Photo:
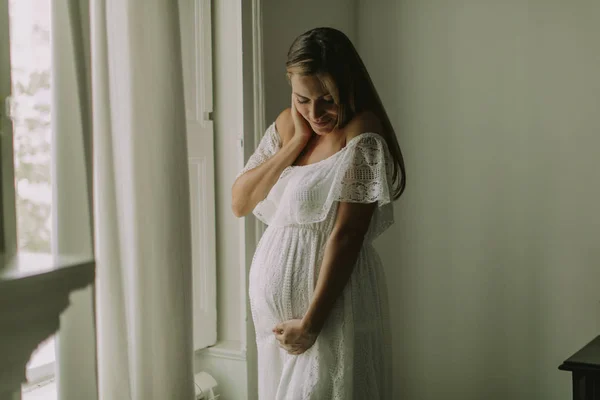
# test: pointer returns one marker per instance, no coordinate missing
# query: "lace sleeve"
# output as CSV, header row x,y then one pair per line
x,y
268,146
359,173
367,172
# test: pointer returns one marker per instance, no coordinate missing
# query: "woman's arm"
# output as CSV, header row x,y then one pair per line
x,y
344,243
341,254
252,187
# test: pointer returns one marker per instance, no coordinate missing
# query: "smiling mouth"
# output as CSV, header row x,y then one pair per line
x,y
324,123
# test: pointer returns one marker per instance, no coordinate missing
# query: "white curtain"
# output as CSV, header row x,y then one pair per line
x,y
131,118
71,203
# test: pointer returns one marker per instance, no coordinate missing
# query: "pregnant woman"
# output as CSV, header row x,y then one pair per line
x,y
323,179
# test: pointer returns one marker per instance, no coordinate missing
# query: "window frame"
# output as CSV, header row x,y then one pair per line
x,y
8,220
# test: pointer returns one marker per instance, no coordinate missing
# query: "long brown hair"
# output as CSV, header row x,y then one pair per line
x,y
329,55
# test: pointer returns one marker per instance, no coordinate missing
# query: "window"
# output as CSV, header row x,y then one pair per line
x,y
195,17
29,42
29,22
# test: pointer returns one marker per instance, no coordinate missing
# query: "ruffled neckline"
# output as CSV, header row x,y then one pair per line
x,y
334,155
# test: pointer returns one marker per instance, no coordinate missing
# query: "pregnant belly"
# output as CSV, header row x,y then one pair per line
x,y
282,275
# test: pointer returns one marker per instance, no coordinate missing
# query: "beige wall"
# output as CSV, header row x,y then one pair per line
x,y
493,261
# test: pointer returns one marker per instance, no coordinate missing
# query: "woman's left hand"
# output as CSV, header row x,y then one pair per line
x,y
294,337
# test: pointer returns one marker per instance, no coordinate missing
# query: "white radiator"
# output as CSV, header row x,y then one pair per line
x,y
205,386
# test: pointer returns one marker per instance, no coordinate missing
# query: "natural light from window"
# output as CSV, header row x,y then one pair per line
x,y
30,70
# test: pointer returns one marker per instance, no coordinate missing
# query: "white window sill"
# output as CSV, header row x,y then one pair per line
x,y
228,349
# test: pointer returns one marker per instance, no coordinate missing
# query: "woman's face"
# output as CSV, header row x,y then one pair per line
x,y
314,103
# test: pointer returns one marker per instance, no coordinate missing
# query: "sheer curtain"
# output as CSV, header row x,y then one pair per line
x,y
121,95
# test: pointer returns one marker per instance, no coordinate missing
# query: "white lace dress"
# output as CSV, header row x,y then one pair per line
x,y
350,359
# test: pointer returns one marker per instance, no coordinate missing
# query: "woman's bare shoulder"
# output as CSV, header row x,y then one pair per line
x,y
284,124
366,121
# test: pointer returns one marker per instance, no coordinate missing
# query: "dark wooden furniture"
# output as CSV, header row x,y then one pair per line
x,y
585,368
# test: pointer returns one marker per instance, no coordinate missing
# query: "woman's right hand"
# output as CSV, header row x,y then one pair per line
x,y
302,130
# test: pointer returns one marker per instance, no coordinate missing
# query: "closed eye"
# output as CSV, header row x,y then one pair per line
x,y
304,100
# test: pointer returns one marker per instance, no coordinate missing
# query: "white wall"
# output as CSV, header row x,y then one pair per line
x,y
283,21
493,261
